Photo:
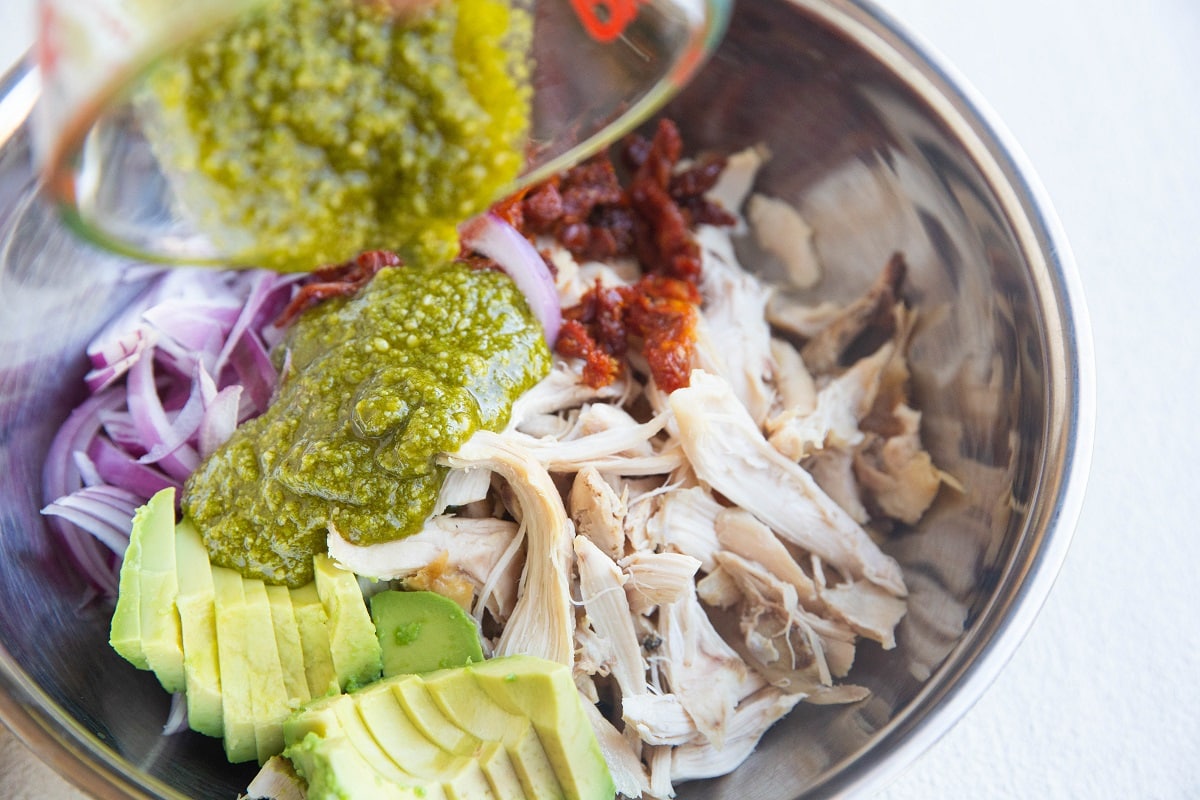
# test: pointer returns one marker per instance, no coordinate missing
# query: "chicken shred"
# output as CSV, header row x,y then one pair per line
x,y
699,557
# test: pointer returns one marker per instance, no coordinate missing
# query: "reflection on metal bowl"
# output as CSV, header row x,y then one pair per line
x,y
881,151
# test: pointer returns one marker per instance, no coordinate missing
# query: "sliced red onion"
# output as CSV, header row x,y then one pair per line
x,y
177,720
504,244
103,511
116,467
171,378
251,363
146,410
113,357
60,475
183,425
220,420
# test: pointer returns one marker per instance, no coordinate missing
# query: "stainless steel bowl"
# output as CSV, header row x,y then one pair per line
x,y
883,150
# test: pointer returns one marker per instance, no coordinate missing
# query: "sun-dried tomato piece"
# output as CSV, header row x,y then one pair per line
x,y
542,209
664,312
664,241
587,186
512,209
688,189
660,311
601,311
599,368
342,280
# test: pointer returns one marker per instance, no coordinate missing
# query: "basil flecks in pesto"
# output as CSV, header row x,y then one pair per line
x,y
312,130
374,387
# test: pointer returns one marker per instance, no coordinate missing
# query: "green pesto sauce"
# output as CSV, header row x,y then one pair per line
x,y
375,387
315,129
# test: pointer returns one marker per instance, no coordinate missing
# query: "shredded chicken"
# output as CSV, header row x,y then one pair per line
x,y
699,556
730,454
543,621
598,512
479,549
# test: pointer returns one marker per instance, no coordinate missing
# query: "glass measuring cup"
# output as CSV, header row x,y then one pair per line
x,y
597,69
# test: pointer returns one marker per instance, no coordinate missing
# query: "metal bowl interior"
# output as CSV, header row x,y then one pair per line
x,y
882,152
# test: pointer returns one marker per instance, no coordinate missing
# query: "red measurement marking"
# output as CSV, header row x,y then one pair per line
x,y
605,20
49,39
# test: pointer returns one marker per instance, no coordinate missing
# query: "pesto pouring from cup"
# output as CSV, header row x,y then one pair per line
x,y
292,134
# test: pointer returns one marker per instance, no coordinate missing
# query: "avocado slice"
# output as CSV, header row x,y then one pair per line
x,y
233,633
313,625
465,703
423,631
500,772
544,693
335,720
125,634
197,620
414,698
352,639
371,730
356,729
158,586
287,642
383,716
335,770
268,695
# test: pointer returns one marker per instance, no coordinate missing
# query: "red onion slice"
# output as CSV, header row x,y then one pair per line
x,y
504,244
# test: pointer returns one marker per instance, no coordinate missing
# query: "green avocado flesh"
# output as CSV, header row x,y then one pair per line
x,y
312,130
375,387
352,638
197,618
512,727
422,632
145,626
250,654
523,734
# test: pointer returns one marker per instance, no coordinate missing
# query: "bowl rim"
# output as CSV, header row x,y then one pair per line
x,y
1070,417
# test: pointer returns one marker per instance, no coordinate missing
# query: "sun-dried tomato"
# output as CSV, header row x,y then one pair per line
x,y
512,209
664,241
543,207
599,368
688,189
664,312
588,186
659,310
584,209
342,280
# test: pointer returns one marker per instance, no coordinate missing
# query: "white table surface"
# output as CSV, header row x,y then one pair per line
x,y
1103,698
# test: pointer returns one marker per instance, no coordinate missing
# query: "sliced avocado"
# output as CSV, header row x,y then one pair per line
x,y
465,703
125,635
545,693
335,719
414,698
371,748
508,760
352,640
287,641
422,632
501,774
268,694
335,770
158,587
383,716
313,624
197,620
233,632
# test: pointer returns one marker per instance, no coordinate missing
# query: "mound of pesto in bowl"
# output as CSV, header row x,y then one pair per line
x,y
373,388
312,130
